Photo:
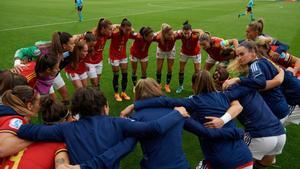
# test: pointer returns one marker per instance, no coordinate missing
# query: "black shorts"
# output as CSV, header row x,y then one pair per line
x,y
79,8
249,9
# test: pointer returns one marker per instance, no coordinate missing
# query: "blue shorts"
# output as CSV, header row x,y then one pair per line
x,y
79,8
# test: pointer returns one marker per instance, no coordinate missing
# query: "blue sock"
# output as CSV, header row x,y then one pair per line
x,y
80,16
242,14
252,17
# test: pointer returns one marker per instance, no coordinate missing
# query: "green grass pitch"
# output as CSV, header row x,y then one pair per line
x,y
22,22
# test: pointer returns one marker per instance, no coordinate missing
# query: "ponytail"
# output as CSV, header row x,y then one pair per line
x,y
18,97
58,40
187,26
56,44
102,24
77,53
257,26
145,31
125,22
89,37
261,26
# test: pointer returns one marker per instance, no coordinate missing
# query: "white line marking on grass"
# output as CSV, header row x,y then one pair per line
x,y
91,19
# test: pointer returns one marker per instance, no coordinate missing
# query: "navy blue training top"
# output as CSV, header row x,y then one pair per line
x,y
260,71
91,136
291,88
257,118
166,150
220,153
157,150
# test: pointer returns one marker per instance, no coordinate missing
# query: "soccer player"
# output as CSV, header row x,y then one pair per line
x,y
285,59
260,71
265,134
46,154
139,52
207,102
254,32
18,105
28,54
77,71
94,61
190,49
249,10
79,6
41,74
118,57
214,47
93,110
166,39
157,150
9,80
61,45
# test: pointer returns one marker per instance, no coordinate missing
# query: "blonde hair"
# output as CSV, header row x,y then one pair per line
x,y
263,45
257,26
235,68
147,88
263,40
18,97
165,28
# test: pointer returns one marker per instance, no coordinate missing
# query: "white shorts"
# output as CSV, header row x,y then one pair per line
x,y
294,117
75,76
210,60
117,62
169,55
204,165
262,146
195,58
284,119
58,82
94,69
136,59
51,90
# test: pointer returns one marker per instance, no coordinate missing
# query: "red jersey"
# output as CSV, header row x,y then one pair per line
x,y
191,46
10,124
282,61
140,47
215,49
36,156
168,45
117,49
97,55
285,61
29,73
81,68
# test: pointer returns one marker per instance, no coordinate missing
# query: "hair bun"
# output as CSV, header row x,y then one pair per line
x,y
186,22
